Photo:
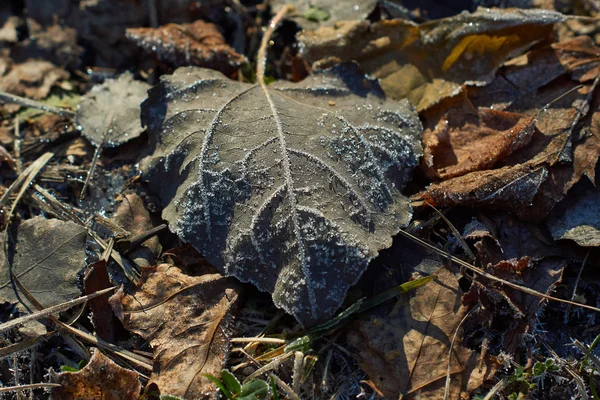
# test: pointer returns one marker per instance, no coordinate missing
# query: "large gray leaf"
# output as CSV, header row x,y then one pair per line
x,y
109,114
293,188
48,256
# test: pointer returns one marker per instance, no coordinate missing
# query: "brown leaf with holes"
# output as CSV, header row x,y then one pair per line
x,y
101,378
186,319
500,301
431,61
405,351
464,141
199,43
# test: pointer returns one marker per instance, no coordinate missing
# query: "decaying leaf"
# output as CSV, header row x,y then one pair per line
x,y
464,142
48,256
506,188
109,114
33,79
578,219
186,320
293,188
101,378
562,148
514,311
199,43
431,61
405,351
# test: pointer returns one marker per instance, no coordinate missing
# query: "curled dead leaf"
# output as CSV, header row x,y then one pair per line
x,y
101,378
463,142
199,43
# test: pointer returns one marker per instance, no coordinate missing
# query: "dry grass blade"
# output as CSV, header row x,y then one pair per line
x,y
51,204
131,271
258,340
593,358
125,354
22,101
51,310
455,232
484,274
28,387
449,373
284,386
24,179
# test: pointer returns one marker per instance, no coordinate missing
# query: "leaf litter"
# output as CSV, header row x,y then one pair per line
x,y
508,104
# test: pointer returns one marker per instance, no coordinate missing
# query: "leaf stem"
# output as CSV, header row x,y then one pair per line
x,y
262,51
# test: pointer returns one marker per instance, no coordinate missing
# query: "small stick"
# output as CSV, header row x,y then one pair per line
x,y
28,387
22,101
18,162
97,156
52,310
258,340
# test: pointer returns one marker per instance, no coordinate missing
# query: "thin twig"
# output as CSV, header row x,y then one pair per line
x,y
490,276
25,176
18,161
52,310
127,355
258,340
22,101
31,386
449,371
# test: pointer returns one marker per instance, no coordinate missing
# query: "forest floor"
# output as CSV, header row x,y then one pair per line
x,y
304,199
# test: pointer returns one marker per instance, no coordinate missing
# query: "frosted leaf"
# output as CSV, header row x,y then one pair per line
x,y
293,189
109,114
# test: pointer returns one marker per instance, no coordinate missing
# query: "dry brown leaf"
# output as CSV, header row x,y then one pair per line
x,y
100,379
431,61
463,142
405,352
506,188
33,79
186,320
199,43
538,175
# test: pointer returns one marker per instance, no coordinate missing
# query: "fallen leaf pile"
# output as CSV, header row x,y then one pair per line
x,y
322,199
